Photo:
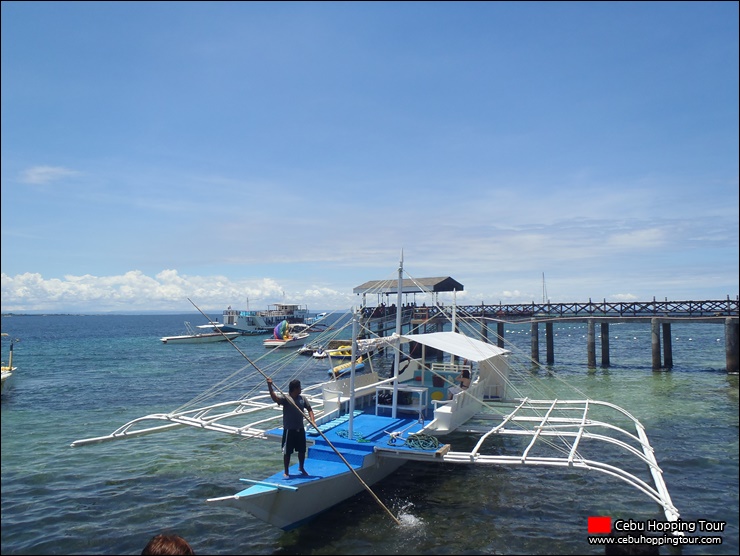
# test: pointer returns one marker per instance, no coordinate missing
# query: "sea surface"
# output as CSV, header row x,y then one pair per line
x,y
84,376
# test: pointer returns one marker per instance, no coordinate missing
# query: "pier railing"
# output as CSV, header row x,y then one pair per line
x,y
710,308
660,314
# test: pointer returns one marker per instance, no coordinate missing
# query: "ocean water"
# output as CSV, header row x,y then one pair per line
x,y
83,376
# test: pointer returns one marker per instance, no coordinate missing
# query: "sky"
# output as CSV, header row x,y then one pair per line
x,y
249,153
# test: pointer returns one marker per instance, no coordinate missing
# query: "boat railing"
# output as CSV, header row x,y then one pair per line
x,y
338,392
451,367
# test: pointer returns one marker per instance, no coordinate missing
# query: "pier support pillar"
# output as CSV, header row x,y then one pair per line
x,y
500,334
732,345
605,344
591,343
667,346
484,330
655,342
535,342
549,343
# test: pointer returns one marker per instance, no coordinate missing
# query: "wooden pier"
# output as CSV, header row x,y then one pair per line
x,y
659,314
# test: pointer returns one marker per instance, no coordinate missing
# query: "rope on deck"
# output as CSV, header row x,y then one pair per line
x,y
417,441
344,433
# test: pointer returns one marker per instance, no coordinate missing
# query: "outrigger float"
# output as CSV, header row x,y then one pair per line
x,y
367,426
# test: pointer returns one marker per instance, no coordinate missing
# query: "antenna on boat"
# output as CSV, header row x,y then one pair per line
x,y
454,319
353,364
397,357
349,466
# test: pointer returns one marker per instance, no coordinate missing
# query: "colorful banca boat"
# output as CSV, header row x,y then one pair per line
x,y
287,335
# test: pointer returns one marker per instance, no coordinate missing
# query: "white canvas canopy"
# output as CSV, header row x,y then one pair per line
x,y
457,344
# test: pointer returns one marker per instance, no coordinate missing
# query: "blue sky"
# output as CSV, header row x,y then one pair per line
x,y
266,152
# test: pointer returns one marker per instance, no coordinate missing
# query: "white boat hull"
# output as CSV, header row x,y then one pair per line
x,y
296,341
200,338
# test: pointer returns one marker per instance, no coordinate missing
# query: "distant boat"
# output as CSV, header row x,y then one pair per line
x,y
343,352
346,368
309,349
263,322
334,349
7,370
317,323
287,335
317,318
193,337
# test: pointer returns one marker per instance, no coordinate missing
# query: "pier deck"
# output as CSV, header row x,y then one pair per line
x,y
659,314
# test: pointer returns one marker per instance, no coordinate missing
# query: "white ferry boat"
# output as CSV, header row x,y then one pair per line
x,y
263,322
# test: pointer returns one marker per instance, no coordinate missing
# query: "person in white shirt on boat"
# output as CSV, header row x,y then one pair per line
x,y
294,433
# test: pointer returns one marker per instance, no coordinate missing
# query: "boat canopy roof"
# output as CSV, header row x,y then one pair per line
x,y
457,344
420,285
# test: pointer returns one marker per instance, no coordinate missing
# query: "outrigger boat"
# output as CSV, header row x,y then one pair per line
x,y
369,425
7,370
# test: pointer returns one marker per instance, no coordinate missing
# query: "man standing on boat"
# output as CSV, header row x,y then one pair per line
x,y
294,433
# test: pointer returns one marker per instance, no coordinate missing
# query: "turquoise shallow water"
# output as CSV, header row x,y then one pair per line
x,y
82,376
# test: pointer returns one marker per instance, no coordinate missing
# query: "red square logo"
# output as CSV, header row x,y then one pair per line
x,y
599,525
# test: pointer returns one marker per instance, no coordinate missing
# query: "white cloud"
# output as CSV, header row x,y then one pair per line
x,y
625,297
166,291
169,291
638,239
40,175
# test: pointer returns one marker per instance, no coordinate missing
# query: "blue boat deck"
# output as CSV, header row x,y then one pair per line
x,y
369,431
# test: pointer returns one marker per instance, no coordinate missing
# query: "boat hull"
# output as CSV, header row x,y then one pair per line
x,y
329,484
296,341
200,338
6,374
290,502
